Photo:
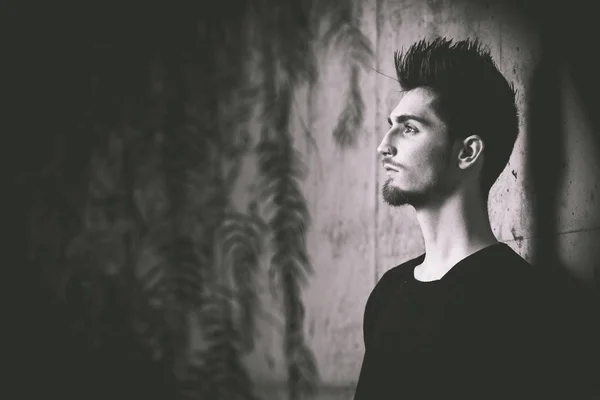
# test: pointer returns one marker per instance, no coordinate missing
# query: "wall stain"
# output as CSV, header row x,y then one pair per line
x,y
270,362
338,237
516,237
436,6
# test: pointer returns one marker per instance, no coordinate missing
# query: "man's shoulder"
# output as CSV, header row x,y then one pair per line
x,y
507,277
504,261
385,287
401,271
392,278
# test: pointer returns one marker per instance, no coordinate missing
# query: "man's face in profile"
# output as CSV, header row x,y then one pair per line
x,y
416,151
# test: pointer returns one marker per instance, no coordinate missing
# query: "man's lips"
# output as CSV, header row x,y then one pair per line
x,y
389,168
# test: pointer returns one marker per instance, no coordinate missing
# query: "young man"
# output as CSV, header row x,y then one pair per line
x,y
469,317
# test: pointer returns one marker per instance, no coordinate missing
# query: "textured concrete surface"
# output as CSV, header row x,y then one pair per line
x,y
354,237
579,200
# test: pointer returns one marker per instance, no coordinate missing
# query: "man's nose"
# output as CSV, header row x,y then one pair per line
x,y
386,149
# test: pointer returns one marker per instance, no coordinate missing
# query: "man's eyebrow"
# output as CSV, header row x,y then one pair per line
x,y
405,117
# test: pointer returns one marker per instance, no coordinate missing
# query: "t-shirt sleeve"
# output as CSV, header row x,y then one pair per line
x,y
373,308
375,303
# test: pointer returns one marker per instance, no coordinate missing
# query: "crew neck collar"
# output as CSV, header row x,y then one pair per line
x,y
455,270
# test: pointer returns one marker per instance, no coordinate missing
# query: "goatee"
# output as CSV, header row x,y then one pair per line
x,y
393,195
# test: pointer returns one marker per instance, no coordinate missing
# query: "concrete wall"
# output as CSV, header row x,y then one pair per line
x,y
578,214
354,237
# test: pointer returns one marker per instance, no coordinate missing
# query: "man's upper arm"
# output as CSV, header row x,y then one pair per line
x,y
374,305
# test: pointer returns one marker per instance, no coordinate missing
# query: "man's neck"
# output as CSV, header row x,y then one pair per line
x,y
452,231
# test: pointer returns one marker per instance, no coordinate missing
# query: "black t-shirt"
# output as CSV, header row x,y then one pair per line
x,y
483,331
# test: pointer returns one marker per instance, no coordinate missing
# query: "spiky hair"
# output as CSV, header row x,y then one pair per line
x,y
475,98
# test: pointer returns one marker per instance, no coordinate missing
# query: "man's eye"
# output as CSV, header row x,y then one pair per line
x,y
409,129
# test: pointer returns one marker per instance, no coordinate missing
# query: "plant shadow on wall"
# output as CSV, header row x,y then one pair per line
x,y
133,236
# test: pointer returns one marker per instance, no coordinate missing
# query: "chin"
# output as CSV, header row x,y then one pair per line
x,y
393,195
396,196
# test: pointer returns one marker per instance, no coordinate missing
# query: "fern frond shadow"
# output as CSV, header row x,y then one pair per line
x,y
241,240
281,168
351,119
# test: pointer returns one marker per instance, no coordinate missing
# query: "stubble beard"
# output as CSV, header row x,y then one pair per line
x,y
397,197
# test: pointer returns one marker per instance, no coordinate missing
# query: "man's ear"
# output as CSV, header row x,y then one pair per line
x,y
471,149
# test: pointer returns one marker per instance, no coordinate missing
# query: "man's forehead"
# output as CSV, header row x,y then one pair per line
x,y
416,101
